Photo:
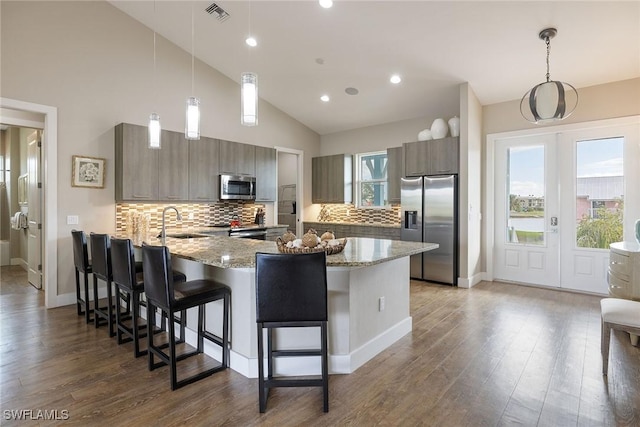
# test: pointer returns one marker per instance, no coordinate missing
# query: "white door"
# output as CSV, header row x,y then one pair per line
x,y
602,186
34,198
560,200
526,211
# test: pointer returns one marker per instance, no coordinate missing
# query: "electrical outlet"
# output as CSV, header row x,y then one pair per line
x,y
72,219
191,215
381,304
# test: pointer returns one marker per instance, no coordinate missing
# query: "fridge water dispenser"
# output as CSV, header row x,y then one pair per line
x,y
411,220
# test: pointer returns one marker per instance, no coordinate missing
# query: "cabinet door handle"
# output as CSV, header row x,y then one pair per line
x,y
139,196
617,263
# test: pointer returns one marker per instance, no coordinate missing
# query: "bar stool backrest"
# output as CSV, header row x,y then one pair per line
x,y
291,287
123,263
158,275
80,252
101,255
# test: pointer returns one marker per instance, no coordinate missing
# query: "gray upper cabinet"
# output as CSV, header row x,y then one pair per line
x,y
395,172
332,179
433,157
266,180
136,165
237,158
173,167
203,170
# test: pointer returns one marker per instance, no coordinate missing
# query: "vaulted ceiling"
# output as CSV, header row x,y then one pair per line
x,y
305,51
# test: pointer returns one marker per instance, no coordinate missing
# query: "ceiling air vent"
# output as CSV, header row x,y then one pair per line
x,y
215,10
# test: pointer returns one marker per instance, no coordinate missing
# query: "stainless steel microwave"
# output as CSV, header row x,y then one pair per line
x,y
237,187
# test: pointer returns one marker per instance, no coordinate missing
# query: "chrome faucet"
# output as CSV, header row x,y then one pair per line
x,y
163,232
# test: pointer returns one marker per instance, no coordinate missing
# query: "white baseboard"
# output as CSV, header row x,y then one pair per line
x,y
470,281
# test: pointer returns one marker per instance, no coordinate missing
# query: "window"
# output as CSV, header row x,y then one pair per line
x,y
599,192
526,189
371,180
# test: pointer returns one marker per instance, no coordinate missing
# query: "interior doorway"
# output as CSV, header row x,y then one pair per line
x,y
289,208
37,116
22,200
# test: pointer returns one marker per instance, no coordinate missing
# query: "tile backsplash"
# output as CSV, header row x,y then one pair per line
x,y
348,213
193,214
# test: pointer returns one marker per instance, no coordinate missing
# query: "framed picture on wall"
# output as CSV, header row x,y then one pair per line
x,y
87,172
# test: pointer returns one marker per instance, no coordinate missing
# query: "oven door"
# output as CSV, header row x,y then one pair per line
x,y
237,187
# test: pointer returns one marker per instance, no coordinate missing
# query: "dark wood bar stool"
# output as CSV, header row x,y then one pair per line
x,y
162,292
82,265
291,291
102,269
128,279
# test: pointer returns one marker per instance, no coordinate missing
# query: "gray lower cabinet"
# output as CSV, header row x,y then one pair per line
x,y
237,158
204,175
433,157
395,172
136,165
266,180
354,230
173,167
332,179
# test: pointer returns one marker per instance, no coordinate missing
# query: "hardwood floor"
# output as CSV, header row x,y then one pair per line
x,y
496,354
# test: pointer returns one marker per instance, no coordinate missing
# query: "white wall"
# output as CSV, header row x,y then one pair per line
x,y
378,137
470,187
94,63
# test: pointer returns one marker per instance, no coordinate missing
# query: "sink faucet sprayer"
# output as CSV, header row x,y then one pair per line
x,y
163,232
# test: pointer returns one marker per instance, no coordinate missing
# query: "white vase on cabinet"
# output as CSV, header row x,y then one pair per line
x,y
439,129
454,126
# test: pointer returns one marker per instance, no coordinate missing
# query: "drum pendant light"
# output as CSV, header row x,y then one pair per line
x,y
551,100
154,118
192,120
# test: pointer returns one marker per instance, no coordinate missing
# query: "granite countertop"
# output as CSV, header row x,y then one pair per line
x,y
357,224
227,252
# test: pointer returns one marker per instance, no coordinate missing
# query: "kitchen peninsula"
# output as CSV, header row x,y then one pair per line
x,y
368,298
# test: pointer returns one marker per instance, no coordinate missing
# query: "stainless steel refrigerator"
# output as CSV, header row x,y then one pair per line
x,y
430,214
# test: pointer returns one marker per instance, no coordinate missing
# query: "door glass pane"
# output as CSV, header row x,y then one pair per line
x,y
599,192
525,187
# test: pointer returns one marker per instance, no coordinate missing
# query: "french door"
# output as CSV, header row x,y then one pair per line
x,y
560,199
526,211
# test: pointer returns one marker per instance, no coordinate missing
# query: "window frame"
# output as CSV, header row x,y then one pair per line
x,y
359,181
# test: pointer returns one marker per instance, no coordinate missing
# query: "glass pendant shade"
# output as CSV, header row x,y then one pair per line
x,y
192,126
548,102
249,99
154,131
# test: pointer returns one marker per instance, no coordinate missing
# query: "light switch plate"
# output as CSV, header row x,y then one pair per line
x,y
72,219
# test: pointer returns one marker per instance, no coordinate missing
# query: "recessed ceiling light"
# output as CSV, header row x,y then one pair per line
x,y
324,98
251,41
395,79
351,91
326,3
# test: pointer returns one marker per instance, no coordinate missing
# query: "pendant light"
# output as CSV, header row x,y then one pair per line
x,y
249,98
154,118
551,100
249,90
192,120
